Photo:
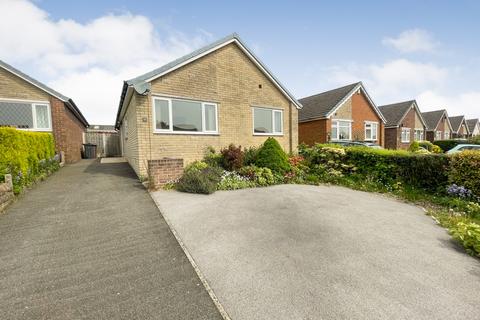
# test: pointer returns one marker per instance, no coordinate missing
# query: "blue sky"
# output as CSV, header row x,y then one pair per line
x,y
424,50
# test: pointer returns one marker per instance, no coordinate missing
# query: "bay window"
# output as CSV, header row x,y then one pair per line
x,y
184,116
341,130
405,135
26,115
267,121
371,131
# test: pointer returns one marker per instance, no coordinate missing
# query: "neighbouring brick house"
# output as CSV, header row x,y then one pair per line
x,y
438,125
27,104
347,113
405,124
215,96
459,127
473,127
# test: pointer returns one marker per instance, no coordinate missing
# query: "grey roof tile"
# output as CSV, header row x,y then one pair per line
x,y
471,123
432,118
395,112
456,122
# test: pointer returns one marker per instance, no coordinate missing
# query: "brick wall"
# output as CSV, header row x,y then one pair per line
x,y
162,171
6,192
230,79
67,131
357,108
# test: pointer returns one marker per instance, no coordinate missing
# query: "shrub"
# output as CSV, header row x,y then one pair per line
x,y
436,149
232,157
196,166
199,181
465,170
233,181
446,145
212,158
468,234
22,154
414,146
261,176
271,155
250,156
430,146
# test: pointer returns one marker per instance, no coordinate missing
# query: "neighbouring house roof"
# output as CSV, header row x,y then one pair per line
x,y
141,84
396,112
457,122
69,102
323,105
471,123
433,118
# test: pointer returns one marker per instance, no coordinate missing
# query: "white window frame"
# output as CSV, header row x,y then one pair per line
x,y
372,125
422,134
337,121
446,135
439,134
170,117
407,135
274,131
34,113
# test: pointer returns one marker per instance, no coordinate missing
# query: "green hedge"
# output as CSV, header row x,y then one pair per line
x,y
446,145
22,152
465,170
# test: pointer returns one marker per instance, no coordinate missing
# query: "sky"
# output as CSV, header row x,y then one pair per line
x,y
403,50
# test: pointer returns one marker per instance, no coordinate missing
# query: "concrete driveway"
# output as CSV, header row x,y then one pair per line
x,y
307,252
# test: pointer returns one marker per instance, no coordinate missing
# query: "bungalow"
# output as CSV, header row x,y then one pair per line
x,y
405,124
215,96
473,127
28,104
346,113
438,125
460,127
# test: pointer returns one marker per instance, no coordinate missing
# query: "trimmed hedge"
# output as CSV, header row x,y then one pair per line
x,y
22,154
271,155
465,170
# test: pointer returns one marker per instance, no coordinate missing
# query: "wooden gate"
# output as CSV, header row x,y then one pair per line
x,y
106,138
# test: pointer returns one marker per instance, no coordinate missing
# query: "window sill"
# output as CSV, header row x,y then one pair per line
x,y
187,133
35,130
269,134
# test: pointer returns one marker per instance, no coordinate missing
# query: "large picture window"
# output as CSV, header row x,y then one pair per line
x,y
341,130
184,116
267,121
25,115
371,131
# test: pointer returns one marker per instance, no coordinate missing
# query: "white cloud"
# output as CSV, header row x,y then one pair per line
x,y
461,104
414,40
88,61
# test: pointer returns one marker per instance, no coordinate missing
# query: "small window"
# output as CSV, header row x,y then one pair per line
x,y
25,115
341,130
267,121
419,135
405,135
438,135
446,135
371,131
184,116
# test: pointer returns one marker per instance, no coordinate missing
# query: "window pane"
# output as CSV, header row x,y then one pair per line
x,y
162,117
344,130
334,130
210,118
262,120
187,115
278,121
16,114
41,111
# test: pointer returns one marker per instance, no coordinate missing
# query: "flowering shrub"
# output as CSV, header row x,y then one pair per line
x,y
199,181
261,176
459,191
232,181
465,170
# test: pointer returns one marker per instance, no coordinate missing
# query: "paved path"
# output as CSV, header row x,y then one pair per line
x,y
89,243
305,252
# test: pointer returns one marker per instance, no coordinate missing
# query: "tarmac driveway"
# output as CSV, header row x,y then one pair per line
x,y
307,252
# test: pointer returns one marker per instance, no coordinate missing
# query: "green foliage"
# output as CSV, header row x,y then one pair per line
x,y
271,155
468,234
200,181
465,170
260,176
250,156
414,146
21,155
212,158
430,147
233,181
232,157
196,166
446,145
